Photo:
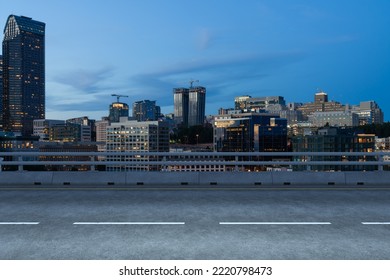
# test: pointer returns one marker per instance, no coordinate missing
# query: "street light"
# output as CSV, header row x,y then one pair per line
x,y
197,139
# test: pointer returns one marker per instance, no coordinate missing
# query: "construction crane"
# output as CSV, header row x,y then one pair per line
x,y
192,82
119,96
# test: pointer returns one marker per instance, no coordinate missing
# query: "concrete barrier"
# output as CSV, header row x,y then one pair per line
x,y
26,178
88,178
368,178
162,178
308,178
235,178
204,179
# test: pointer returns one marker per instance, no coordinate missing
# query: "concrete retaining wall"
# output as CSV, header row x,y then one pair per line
x,y
96,178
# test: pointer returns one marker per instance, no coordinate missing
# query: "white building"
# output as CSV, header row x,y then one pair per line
x,y
334,118
133,136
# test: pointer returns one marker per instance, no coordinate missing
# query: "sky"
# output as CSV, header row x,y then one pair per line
x,y
145,48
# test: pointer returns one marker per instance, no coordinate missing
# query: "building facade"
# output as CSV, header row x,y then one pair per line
x,y
67,147
133,136
332,139
334,118
320,104
146,110
1,92
23,74
41,128
101,133
240,102
196,106
180,105
118,110
267,103
369,113
250,132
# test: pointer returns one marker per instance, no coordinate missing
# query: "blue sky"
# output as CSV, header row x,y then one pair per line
x,y
144,48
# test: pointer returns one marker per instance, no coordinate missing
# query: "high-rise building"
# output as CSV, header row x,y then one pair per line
x,y
180,104
23,74
118,110
196,106
146,110
1,92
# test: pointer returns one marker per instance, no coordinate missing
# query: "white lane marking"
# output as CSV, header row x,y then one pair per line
x,y
376,223
275,223
19,223
129,223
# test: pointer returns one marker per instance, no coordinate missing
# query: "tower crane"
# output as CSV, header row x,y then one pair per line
x,y
119,96
192,82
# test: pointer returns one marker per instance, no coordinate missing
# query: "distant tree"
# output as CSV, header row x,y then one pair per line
x,y
380,130
198,134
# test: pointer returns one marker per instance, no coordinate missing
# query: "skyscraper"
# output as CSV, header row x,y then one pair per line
x,y
118,110
196,106
180,104
1,92
23,74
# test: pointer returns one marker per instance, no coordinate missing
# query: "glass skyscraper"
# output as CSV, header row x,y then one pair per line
x,y
180,104
196,106
1,92
23,74
189,105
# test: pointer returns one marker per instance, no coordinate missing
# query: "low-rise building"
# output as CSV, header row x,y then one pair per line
x,y
132,136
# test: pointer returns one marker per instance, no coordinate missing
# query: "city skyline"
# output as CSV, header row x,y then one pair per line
x,y
260,49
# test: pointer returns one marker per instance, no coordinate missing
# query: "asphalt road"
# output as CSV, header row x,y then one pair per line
x,y
195,224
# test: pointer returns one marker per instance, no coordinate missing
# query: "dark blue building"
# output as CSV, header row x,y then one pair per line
x,y
1,92
23,74
250,132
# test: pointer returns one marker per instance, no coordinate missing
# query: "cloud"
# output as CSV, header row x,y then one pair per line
x,y
88,81
88,92
204,39
83,91
221,75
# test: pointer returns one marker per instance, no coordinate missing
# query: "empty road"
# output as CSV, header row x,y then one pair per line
x,y
195,224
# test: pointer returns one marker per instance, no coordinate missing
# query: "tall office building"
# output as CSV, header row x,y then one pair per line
x,y
196,106
180,104
1,92
118,110
23,74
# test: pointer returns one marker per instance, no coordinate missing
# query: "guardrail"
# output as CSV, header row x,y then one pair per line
x,y
230,161
161,169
